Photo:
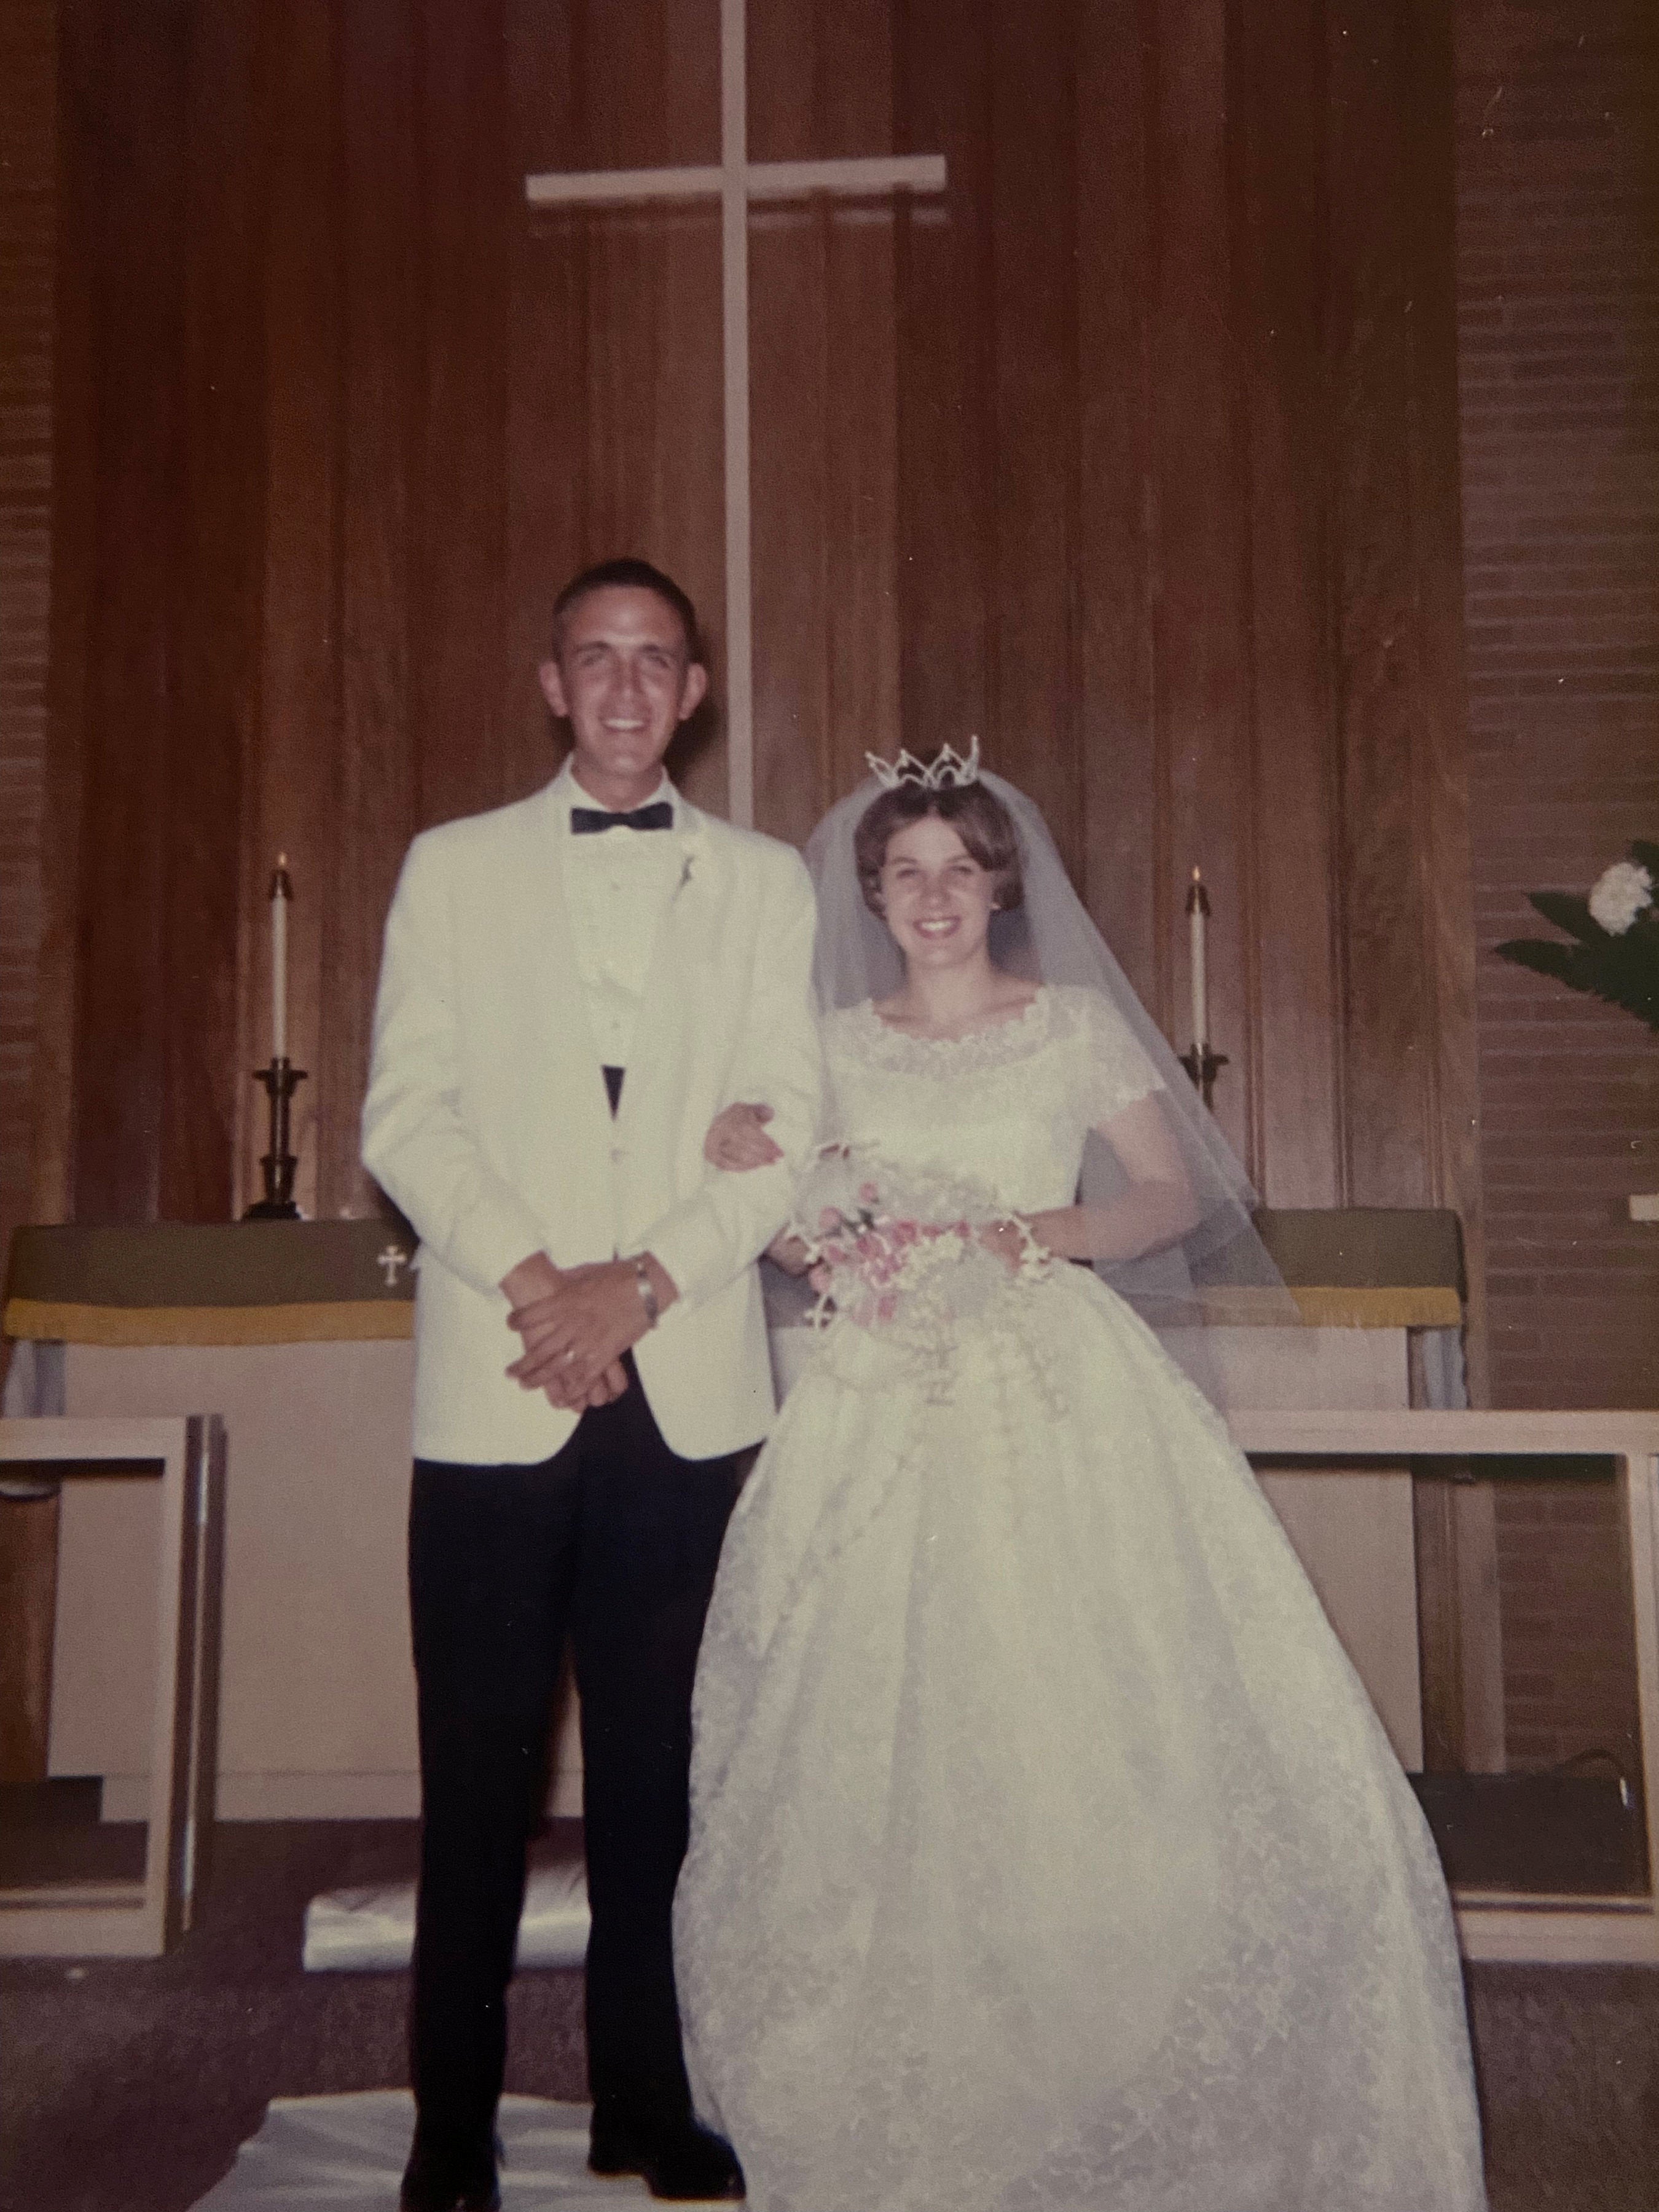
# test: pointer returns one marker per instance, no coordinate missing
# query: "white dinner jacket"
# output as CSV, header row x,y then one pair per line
x,y
487,1121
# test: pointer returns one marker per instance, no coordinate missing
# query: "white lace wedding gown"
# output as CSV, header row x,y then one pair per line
x,y
1046,1851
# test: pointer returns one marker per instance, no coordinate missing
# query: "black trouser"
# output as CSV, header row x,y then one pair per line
x,y
615,1540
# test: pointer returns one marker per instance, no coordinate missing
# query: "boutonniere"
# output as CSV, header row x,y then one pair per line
x,y
691,855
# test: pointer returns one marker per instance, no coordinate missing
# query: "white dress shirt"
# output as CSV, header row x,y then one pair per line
x,y
617,886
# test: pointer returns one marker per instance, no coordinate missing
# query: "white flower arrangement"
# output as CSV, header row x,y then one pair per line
x,y
1621,893
1613,952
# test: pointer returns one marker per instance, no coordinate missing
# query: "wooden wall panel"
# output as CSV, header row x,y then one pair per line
x,y
1124,454
1430,239
74,470
860,442
654,457
824,369
469,197
211,726
290,793
1388,1076
1032,711
548,338
1128,881
1203,665
129,76
946,515
374,785
1279,248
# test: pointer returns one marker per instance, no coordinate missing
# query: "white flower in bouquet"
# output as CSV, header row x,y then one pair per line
x,y
1620,893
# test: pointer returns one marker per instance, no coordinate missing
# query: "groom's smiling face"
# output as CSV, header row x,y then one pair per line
x,y
625,679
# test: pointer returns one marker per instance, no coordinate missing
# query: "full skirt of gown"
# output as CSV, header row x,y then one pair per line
x,y
1046,1851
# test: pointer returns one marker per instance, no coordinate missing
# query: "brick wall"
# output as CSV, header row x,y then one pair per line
x,y
1558,212
27,197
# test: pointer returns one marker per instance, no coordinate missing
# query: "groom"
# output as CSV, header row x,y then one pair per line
x,y
571,988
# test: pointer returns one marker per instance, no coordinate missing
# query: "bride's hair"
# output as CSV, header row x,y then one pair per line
x,y
978,816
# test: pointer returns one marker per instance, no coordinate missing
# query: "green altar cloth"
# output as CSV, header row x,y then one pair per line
x,y
242,1282
287,1282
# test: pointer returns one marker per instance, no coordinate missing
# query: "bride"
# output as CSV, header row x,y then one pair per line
x,y
1046,1852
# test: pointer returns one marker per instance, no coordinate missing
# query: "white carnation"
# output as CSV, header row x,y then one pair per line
x,y
1620,896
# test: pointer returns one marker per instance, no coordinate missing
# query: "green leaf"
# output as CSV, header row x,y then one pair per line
x,y
1619,972
1568,911
1542,955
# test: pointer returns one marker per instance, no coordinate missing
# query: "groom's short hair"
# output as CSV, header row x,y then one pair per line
x,y
978,816
631,574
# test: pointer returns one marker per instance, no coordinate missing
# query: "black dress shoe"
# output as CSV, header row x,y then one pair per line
x,y
683,2162
435,2182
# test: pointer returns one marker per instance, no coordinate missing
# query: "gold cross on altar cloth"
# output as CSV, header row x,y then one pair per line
x,y
735,184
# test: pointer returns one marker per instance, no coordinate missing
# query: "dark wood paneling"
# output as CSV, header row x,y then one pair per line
x,y
211,724
1429,241
1127,879
73,602
1387,984
791,380
823,366
946,527
469,197
1128,454
655,459
860,445
28,1605
1278,69
290,799
127,76
383,187
1033,709
820,79
1203,673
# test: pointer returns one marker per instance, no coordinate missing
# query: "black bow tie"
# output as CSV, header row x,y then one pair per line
x,y
587,821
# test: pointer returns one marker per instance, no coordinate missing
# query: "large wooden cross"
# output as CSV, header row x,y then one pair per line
x,y
736,183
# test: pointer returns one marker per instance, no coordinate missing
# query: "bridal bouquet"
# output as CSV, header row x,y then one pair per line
x,y
892,1249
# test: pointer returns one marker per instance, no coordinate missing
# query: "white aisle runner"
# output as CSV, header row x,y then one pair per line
x,y
349,2151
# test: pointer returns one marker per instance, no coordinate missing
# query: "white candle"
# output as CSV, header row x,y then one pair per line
x,y
1198,915
280,893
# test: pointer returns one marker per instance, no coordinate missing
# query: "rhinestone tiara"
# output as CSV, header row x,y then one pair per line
x,y
948,770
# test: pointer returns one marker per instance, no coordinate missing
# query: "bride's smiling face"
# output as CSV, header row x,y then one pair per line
x,y
936,898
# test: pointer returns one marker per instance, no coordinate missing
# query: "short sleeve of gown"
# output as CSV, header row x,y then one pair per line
x,y
1114,1070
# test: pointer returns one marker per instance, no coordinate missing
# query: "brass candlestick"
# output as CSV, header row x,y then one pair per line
x,y
281,1080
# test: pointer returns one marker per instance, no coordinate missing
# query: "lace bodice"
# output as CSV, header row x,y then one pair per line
x,y
1008,1107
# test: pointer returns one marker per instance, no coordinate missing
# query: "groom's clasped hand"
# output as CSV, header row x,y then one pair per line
x,y
575,1323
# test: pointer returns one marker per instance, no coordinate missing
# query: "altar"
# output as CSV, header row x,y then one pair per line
x,y
299,1334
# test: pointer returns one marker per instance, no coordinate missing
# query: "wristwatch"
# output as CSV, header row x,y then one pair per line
x,y
646,1290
